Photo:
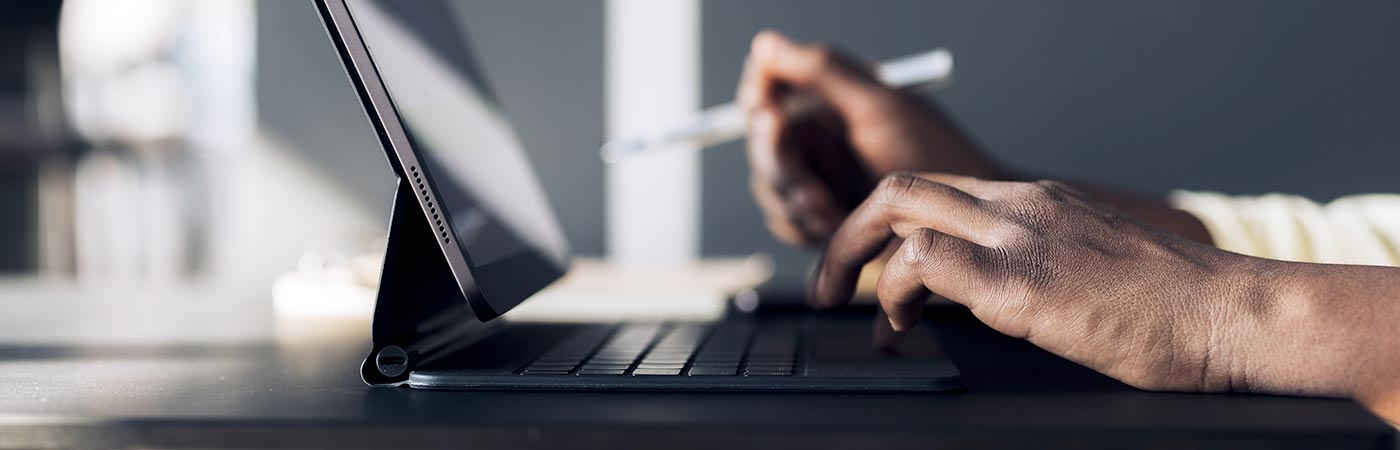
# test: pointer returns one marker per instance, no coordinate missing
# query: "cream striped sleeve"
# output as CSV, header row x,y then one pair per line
x,y
1361,229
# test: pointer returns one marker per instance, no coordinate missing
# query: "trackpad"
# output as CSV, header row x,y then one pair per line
x,y
844,348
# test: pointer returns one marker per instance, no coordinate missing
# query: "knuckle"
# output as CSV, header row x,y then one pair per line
x,y
925,250
1035,205
1046,188
1026,198
986,260
896,186
824,56
1056,189
1007,234
759,38
919,246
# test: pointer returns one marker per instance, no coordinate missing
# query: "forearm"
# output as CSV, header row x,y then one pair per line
x,y
1317,329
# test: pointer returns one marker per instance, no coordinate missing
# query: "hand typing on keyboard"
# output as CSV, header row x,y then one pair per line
x,y
1049,264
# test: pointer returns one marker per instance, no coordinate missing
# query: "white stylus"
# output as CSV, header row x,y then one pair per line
x,y
920,72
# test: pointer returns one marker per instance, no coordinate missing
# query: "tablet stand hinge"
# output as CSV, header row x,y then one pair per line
x,y
419,311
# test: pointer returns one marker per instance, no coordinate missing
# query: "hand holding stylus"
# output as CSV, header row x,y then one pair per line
x,y
719,124
809,170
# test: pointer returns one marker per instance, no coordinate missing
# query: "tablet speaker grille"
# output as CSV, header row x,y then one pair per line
x,y
428,200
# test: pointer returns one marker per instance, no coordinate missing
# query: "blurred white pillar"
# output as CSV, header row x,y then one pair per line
x,y
165,89
653,80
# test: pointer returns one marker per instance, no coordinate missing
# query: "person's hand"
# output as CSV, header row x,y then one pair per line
x,y
809,171
1043,262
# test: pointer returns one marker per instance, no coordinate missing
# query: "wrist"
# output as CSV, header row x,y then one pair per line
x,y
1256,325
1239,317
1309,329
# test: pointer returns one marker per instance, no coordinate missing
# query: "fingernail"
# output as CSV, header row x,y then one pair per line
x,y
895,325
815,281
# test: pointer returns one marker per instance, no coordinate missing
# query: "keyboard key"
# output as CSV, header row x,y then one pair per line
x,y
767,364
709,371
605,366
775,341
735,348
614,357
734,363
664,361
669,354
649,372
767,373
617,355
717,362
545,372
568,357
557,362
602,371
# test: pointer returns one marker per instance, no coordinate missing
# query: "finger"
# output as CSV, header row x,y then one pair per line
x,y
882,334
815,209
903,203
749,94
804,198
844,83
930,261
783,216
900,289
777,215
984,189
765,133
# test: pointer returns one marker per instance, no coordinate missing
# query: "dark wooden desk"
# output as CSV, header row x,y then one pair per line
x,y
300,389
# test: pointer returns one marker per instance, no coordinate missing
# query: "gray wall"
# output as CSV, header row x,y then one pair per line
x,y
18,207
543,57
1238,96
1241,96
305,99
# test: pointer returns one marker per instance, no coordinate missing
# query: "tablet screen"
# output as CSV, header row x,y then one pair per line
x,y
490,197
